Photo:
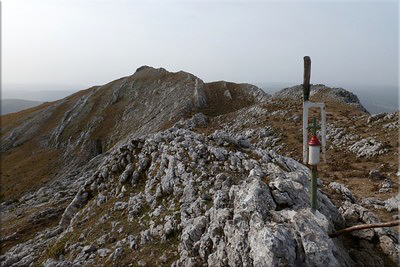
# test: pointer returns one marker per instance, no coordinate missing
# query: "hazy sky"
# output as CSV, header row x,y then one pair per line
x,y
95,41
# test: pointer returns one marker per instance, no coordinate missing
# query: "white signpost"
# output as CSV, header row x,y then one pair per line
x,y
306,106
311,150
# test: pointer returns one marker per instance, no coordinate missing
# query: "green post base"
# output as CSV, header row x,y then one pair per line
x,y
314,175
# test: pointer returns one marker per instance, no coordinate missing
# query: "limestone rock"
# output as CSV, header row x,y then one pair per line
x,y
343,190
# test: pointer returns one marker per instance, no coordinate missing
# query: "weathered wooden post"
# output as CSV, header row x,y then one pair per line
x,y
313,146
307,75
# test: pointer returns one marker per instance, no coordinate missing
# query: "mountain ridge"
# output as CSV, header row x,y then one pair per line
x,y
160,98
160,168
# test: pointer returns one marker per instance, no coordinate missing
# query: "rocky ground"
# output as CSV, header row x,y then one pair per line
x,y
210,179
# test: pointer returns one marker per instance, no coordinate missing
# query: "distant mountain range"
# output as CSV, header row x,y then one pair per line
x,y
14,105
41,96
15,98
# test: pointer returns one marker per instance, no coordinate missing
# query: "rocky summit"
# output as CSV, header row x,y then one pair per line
x,y
163,169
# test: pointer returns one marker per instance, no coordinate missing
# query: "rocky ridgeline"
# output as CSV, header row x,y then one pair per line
x,y
145,102
141,103
335,94
213,200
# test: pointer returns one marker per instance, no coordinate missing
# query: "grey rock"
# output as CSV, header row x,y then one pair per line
x,y
227,95
193,231
393,204
117,253
339,188
103,240
219,153
387,183
272,246
126,174
103,252
132,241
135,204
89,249
120,206
367,234
101,199
376,175
368,147
391,247
375,117
78,202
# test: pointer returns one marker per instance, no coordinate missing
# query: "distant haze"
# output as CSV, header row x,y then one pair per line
x,y
39,92
95,41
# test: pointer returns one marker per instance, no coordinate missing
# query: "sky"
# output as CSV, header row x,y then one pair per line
x,y
92,42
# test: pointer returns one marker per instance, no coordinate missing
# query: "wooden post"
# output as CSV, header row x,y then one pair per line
x,y
364,226
307,75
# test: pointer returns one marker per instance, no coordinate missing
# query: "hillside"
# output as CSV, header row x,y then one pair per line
x,y
14,105
81,126
162,169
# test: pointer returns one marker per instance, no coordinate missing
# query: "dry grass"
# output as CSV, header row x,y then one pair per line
x,y
12,120
218,104
30,165
26,168
24,228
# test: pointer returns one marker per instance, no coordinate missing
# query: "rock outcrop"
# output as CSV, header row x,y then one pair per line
x,y
224,206
232,209
335,94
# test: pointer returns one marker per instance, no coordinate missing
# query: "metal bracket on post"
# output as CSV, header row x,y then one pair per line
x,y
306,106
